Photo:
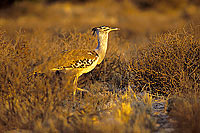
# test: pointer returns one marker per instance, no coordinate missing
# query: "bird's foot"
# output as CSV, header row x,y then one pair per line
x,y
82,90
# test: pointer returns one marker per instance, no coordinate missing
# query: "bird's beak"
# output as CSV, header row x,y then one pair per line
x,y
115,29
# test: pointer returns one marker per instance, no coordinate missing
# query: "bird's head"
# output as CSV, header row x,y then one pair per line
x,y
103,29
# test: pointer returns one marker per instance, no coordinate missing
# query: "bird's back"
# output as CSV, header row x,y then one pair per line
x,y
72,59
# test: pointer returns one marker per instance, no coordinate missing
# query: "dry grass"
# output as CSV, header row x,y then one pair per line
x,y
166,64
44,102
185,112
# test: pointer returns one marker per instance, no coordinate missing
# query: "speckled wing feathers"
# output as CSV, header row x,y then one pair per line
x,y
73,59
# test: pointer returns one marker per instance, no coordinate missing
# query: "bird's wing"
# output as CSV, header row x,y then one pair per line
x,y
72,59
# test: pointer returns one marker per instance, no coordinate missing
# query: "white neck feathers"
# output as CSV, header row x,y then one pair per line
x,y
102,45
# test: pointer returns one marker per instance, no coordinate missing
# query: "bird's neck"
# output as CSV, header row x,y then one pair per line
x,y
102,45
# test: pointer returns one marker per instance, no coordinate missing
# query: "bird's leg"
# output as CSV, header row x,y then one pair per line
x,y
76,87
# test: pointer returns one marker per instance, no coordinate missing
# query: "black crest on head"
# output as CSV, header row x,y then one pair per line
x,y
94,30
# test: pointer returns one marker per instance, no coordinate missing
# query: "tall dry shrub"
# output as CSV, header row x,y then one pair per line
x,y
168,64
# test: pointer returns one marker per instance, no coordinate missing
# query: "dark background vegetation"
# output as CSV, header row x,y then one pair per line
x,y
154,57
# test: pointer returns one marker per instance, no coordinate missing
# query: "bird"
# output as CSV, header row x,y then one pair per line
x,y
82,61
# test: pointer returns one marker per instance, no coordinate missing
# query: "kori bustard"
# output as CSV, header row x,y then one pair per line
x,y
81,60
